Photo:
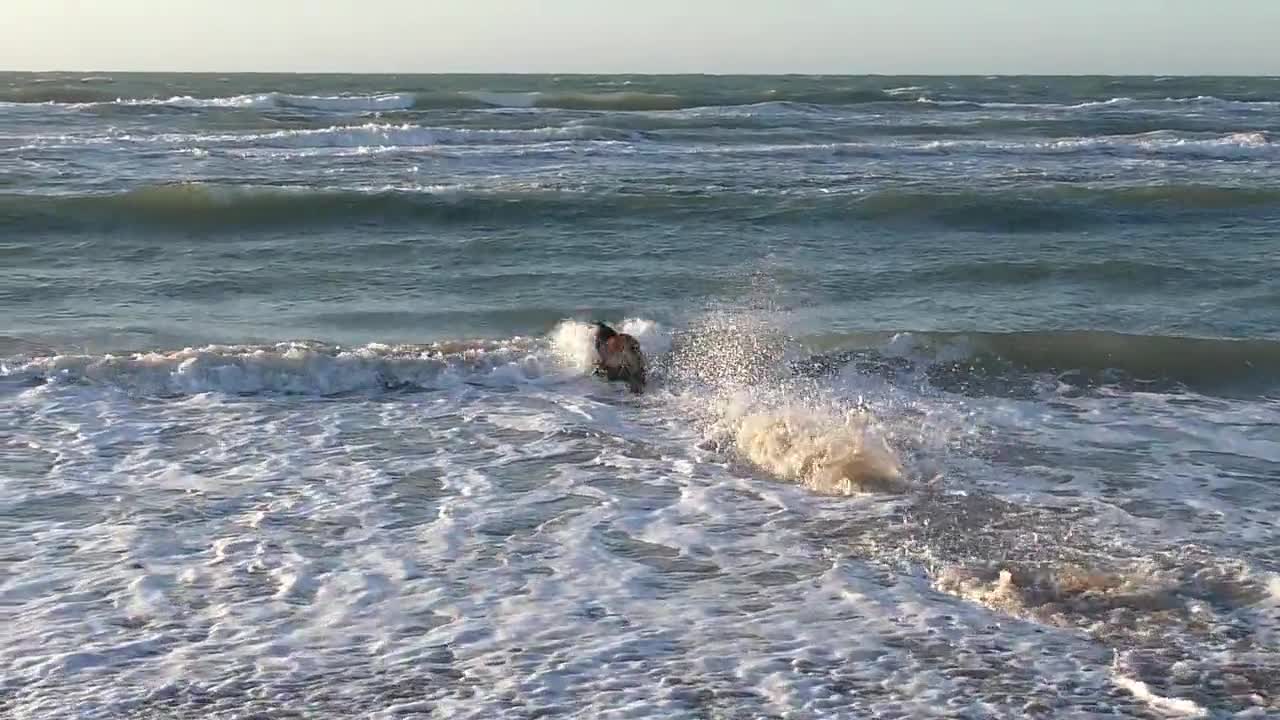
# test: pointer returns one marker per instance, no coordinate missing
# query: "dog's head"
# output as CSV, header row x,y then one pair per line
x,y
631,359
621,357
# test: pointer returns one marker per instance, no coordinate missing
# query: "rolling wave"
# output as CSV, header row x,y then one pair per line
x,y
91,97
88,97
426,100
1076,357
376,134
1159,142
316,368
1119,103
342,136
210,207
704,139
313,368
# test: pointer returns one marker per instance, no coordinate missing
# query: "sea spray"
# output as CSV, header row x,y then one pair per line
x,y
727,373
826,451
732,370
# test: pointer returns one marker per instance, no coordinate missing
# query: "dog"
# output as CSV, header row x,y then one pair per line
x,y
618,357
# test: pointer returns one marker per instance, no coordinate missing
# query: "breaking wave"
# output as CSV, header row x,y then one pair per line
x,y
753,392
676,135
826,449
291,368
1159,142
1122,102
780,429
728,371
364,135
316,368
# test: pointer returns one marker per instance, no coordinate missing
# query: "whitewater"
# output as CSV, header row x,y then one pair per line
x,y
964,397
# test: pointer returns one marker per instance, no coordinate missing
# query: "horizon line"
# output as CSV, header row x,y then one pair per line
x,y
581,73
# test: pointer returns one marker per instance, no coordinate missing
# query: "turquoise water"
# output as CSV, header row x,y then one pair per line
x,y
293,392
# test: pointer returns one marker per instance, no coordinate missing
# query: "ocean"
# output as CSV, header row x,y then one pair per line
x,y
964,397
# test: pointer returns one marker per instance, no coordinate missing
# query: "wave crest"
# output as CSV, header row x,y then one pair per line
x,y
314,368
290,368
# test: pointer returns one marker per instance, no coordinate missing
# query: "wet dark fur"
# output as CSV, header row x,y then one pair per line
x,y
619,357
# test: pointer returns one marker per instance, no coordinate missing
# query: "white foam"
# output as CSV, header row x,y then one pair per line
x,y
825,452
1172,706
319,369
366,135
1110,102
393,101
288,367
261,100
1241,144
332,103
375,134
574,344
654,338
1115,102
217,555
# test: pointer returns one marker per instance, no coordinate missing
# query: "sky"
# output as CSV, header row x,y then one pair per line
x,y
1157,37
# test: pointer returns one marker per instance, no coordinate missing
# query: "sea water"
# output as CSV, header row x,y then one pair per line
x,y
964,400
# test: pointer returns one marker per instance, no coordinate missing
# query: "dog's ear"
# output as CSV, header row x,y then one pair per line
x,y
604,331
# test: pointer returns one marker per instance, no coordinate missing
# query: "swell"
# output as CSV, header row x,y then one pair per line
x,y
1084,357
210,207
336,136
1243,145
853,126
676,137
1112,103
447,100
654,99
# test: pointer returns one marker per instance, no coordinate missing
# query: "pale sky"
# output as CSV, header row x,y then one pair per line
x,y
643,36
